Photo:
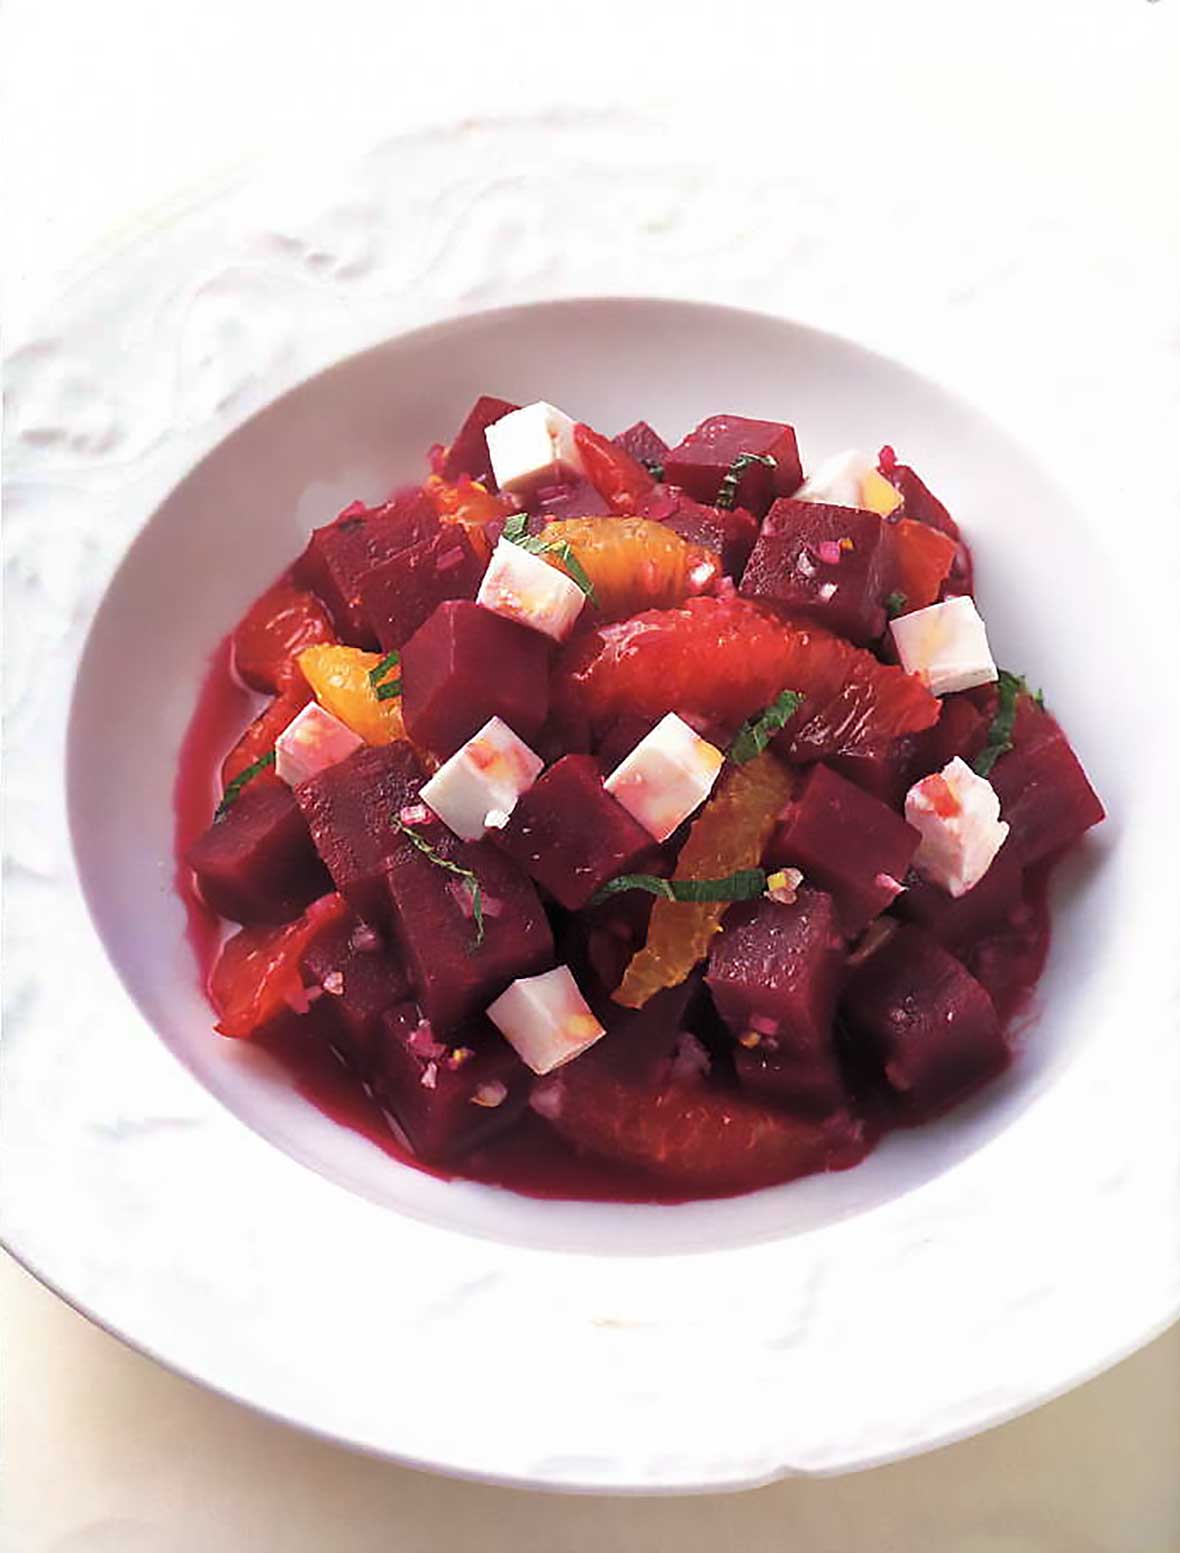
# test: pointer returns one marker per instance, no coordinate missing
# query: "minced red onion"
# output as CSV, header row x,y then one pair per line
x,y
763,1024
429,1079
829,552
546,1099
448,562
415,814
422,1043
491,1094
364,940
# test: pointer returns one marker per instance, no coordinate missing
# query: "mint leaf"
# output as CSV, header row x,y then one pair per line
x,y
378,672
894,605
1009,688
746,884
230,796
728,489
468,876
753,736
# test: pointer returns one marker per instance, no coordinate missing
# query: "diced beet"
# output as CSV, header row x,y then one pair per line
x,y
1044,794
339,554
452,974
447,1099
402,593
570,834
847,842
700,463
774,973
920,503
572,498
621,738
728,533
884,771
466,665
468,454
1007,960
257,863
961,730
360,978
927,1021
643,443
957,923
823,563
640,1043
349,809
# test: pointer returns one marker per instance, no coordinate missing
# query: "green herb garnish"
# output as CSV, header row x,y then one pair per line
x,y
387,692
728,489
654,468
1009,689
378,672
233,790
467,875
753,736
894,605
515,531
746,884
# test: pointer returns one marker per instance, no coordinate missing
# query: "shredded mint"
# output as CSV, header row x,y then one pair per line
x,y
468,876
746,884
387,692
380,670
894,605
654,468
728,489
516,528
233,790
1009,689
515,531
753,736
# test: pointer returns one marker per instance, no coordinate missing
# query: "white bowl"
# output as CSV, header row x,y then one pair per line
x,y
964,1271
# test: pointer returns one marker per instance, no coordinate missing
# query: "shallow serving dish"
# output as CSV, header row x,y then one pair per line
x,y
175,1188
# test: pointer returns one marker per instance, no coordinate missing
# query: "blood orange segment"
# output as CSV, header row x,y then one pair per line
x,y
721,660
920,562
633,563
257,972
274,630
730,833
619,479
260,736
471,505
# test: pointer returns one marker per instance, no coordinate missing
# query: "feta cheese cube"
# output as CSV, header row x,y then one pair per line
x,y
545,1019
481,782
522,587
531,447
312,741
850,479
666,776
945,645
957,814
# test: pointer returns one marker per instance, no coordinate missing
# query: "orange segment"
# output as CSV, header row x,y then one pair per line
x,y
471,505
731,832
339,677
634,563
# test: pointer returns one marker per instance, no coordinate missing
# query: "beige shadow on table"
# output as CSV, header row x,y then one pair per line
x,y
107,1453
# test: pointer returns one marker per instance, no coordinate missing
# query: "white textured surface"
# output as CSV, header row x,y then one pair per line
x,y
974,240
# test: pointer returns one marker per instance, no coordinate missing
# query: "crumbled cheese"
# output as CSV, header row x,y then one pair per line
x,y
957,814
531,447
545,1019
522,587
850,479
310,743
666,776
482,780
945,645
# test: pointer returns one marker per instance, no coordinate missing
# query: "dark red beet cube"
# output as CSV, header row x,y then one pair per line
x,y
884,771
823,563
339,555
467,664
257,863
958,923
920,504
847,842
359,978
402,593
728,533
1044,794
701,462
643,444
961,730
468,454
453,974
570,834
349,809
927,1022
572,498
447,1099
774,973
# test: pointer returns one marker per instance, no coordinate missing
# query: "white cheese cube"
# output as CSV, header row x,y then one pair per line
x,y
545,1019
945,645
666,776
531,447
312,741
481,782
522,587
850,479
957,814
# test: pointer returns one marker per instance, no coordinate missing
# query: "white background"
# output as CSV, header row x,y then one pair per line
x,y
118,112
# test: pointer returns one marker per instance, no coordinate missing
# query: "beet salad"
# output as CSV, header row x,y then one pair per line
x,y
608,819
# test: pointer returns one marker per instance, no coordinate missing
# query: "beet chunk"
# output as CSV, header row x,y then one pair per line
x,y
468,454
700,463
447,1099
823,563
847,842
958,923
920,504
643,443
570,834
926,1020
728,533
774,973
961,730
454,975
340,554
257,863
349,809
1044,794
572,498
360,979
467,664
402,593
